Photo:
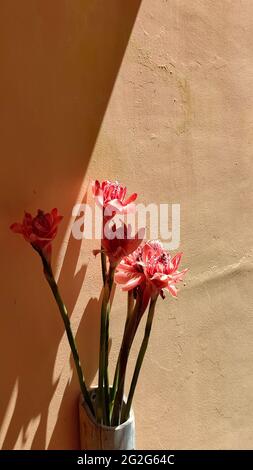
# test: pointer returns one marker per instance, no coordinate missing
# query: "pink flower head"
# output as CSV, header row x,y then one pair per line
x,y
121,244
152,269
111,196
39,230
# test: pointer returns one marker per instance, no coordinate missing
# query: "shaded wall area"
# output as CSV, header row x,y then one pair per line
x,y
59,63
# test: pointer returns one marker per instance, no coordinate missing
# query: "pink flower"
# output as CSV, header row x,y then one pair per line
x,y
111,196
122,243
151,269
39,230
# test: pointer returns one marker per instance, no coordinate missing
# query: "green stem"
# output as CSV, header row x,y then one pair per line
x,y
130,307
106,374
103,409
140,358
103,265
127,341
64,314
100,404
110,281
114,387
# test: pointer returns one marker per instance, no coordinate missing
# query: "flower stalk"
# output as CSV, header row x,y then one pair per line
x,y
103,407
130,330
130,307
140,358
103,265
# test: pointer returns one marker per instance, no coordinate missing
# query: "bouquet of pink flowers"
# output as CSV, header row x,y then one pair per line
x,y
144,270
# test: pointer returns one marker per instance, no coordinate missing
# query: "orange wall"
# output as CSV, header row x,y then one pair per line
x,y
161,99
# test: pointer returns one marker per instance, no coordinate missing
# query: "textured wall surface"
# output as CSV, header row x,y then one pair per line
x,y
161,99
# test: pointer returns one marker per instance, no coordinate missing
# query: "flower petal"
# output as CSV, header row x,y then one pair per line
x,y
176,260
126,267
172,289
121,277
130,199
133,282
95,187
96,252
16,228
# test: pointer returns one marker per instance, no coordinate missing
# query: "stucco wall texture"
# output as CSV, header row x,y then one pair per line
x,y
157,95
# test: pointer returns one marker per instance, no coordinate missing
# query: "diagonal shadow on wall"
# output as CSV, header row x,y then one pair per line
x,y
59,62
